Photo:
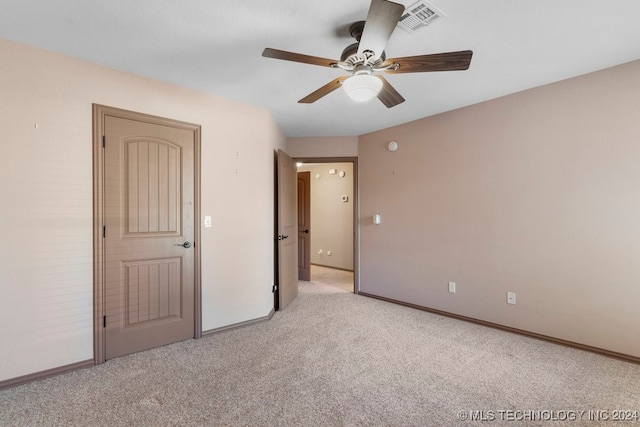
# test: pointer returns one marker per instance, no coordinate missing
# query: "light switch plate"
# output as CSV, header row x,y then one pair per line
x,y
207,222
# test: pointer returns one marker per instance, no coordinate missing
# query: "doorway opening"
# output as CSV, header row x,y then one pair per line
x,y
328,237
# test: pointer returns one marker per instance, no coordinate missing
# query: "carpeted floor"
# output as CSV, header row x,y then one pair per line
x,y
333,277
333,358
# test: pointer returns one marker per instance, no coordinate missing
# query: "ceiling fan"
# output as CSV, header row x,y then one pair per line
x,y
366,58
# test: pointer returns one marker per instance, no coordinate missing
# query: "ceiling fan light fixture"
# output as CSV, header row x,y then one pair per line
x,y
362,87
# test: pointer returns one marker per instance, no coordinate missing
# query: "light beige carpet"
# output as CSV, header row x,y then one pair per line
x,y
333,358
333,277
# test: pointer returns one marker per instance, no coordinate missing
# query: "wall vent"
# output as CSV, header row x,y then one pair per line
x,y
419,15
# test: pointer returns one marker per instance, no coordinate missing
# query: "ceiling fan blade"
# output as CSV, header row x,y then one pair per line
x,y
324,90
388,95
381,21
450,61
297,57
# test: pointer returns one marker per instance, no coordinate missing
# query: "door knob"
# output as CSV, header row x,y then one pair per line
x,y
306,231
185,245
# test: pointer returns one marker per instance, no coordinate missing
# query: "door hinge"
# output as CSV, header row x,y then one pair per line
x,y
104,321
104,141
104,231
274,289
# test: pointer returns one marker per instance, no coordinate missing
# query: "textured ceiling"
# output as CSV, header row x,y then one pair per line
x,y
215,46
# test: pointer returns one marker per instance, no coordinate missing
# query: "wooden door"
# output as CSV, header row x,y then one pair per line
x,y
304,226
149,235
287,230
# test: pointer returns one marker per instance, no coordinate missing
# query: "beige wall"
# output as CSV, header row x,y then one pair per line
x,y
333,146
331,218
46,192
536,193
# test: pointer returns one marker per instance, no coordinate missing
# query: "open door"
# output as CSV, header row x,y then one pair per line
x,y
304,226
287,230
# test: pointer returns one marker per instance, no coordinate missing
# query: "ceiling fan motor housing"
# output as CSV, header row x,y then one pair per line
x,y
350,56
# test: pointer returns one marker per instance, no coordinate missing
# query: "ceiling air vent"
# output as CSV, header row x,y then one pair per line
x,y
419,15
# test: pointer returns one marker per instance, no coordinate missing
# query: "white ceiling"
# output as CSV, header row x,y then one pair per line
x,y
215,46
